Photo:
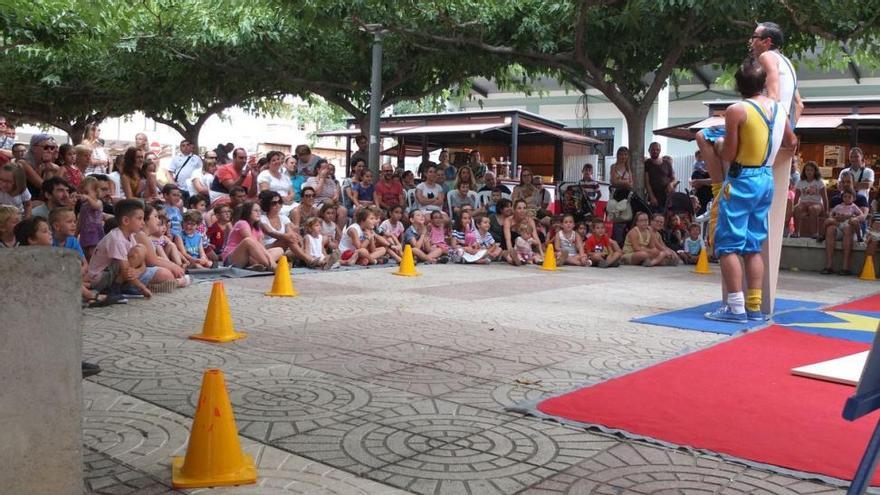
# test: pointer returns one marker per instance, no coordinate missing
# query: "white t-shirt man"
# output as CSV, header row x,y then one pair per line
x,y
181,172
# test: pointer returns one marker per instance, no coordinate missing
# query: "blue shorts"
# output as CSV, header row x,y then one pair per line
x,y
742,211
714,133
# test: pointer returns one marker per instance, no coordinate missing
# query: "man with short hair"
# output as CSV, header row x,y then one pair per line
x,y
19,150
183,165
863,176
701,182
236,174
388,192
490,183
56,192
105,192
363,150
755,129
659,178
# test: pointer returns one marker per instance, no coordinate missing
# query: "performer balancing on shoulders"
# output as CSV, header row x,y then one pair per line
x,y
755,129
781,86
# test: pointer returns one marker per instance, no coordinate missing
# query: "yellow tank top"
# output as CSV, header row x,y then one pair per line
x,y
754,135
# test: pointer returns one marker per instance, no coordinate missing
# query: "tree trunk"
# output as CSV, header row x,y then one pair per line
x,y
76,132
192,135
635,123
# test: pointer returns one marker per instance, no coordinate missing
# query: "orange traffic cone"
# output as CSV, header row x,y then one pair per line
x,y
218,321
213,455
868,270
282,286
549,259
703,263
407,264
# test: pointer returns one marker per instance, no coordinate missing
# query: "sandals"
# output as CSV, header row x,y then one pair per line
x,y
826,271
103,300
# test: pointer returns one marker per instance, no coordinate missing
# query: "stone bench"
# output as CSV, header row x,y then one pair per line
x,y
805,254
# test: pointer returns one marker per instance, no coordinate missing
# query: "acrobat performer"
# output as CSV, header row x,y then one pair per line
x,y
755,129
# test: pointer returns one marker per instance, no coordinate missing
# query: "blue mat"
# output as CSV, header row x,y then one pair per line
x,y
693,319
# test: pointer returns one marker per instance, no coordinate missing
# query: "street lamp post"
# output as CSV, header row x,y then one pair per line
x,y
375,95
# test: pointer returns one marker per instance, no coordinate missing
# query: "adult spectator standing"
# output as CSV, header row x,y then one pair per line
x,y
56,193
701,184
477,166
389,192
306,161
183,165
429,194
99,162
490,183
863,176
142,142
236,174
363,151
6,141
659,178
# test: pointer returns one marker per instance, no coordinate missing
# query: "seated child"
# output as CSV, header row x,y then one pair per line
x,y
417,237
191,242
219,230
117,264
466,247
161,240
392,228
9,218
693,244
91,215
358,241
172,197
155,255
486,240
329,227
602,250
380,240
316,246
494,197
569,245
13,189
437,235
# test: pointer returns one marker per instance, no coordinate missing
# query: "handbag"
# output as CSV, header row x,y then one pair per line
x,y
619,210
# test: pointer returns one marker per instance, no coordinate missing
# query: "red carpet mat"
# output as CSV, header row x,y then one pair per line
x,y
737,398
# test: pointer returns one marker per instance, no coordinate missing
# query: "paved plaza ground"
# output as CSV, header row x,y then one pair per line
x,y
373,384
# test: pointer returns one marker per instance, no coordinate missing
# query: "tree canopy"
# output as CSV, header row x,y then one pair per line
x,y
71,62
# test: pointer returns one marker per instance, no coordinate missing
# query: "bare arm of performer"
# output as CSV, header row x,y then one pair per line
x,y
770,63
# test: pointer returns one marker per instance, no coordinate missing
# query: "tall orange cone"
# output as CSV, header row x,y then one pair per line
x,y
868,270
213,455
218,321
282,286
407,264
703,263
549,259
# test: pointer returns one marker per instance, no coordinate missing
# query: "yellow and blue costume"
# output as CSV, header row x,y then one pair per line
x,y
747,191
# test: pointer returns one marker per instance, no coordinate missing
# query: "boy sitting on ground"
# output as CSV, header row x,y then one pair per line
x,y
602,250
118,261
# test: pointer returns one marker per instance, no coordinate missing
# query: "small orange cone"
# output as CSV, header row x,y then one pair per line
x,y
282,286
213,455
868,270
218,321
549,259
407,264
703,263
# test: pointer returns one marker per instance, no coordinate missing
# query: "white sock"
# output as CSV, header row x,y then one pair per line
x,y
737,302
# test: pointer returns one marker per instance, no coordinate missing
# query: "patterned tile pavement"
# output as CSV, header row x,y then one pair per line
x,y
374,384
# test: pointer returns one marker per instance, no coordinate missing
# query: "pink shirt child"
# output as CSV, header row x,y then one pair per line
x,y
236,236
114,246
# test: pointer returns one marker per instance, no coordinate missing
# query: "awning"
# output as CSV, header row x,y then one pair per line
x,y
688,131
564,135
410,149
453,128
864,118
387,129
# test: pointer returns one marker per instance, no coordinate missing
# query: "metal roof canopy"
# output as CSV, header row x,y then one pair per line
x,y
819,114
456,127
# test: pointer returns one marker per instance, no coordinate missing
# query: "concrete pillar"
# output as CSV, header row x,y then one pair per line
x,y
41,401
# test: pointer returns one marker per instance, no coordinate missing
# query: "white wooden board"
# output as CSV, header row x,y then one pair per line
x,y
845,370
